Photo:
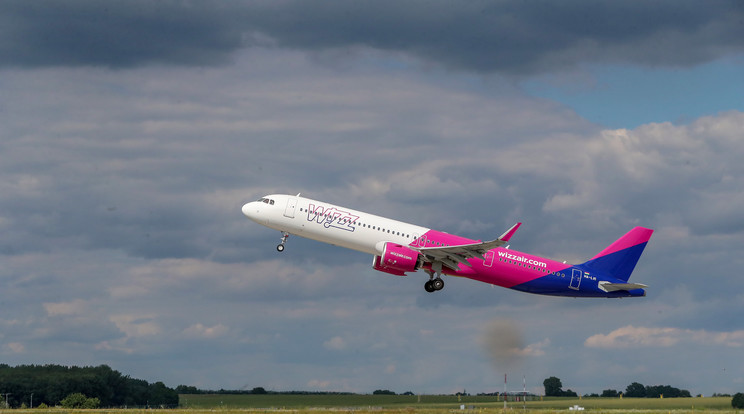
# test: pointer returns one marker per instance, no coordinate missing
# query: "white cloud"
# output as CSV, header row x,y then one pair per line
x,y
17,347
75,307
117,346
316,384
336,344
210,332
536,349
135,326
643,337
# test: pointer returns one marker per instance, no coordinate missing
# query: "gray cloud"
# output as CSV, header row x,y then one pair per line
x,y
518,37
123,243
115,34
512,37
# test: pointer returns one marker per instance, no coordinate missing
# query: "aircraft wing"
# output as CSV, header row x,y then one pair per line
x,y
451,256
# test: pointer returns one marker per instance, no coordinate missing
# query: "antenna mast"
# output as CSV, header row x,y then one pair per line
x,y
505,392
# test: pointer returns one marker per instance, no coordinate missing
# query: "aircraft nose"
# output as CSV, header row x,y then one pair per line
x,y
250,210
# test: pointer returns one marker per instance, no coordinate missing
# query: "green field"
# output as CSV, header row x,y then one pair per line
x,y
401,404
330,401
446,402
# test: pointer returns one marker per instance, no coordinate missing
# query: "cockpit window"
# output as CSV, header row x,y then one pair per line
x,y
266,200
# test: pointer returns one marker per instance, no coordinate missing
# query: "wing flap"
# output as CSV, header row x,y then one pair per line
x,y
452,256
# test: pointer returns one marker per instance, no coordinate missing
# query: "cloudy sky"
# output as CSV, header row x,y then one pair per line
x,y
132,132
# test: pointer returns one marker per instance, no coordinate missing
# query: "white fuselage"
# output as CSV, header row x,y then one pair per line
x,y
329,223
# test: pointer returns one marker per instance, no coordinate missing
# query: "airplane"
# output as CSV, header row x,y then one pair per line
x,y
399,248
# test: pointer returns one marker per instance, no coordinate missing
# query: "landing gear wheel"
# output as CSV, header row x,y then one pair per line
x,y
280,248
437,284
429,286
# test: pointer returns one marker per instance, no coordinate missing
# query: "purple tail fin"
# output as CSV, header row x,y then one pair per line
x,y
619,259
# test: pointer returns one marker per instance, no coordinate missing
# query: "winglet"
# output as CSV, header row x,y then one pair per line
x,y
507,234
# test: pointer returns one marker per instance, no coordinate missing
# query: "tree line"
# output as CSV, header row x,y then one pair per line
x,y
189,389
34,385
554,388
638,390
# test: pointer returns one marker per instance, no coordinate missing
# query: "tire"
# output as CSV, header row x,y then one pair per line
x,y
437,284
280,248
429,286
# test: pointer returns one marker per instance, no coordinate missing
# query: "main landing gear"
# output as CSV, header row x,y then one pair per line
x,y
435,283
280,247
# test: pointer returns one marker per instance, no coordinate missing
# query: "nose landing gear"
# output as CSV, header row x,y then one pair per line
x,y
280,247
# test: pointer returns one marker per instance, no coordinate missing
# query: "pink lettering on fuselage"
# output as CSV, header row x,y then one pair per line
x,y
332,217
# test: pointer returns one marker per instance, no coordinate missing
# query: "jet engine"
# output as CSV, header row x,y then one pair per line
x,y
396,259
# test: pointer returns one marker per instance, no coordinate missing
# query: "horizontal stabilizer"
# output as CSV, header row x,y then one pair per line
x,y
612,287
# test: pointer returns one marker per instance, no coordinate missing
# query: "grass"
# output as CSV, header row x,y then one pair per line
x,y
661,404
401,404
444,403
334,401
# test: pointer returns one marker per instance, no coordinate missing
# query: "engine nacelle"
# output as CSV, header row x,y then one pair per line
x,y
396,259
